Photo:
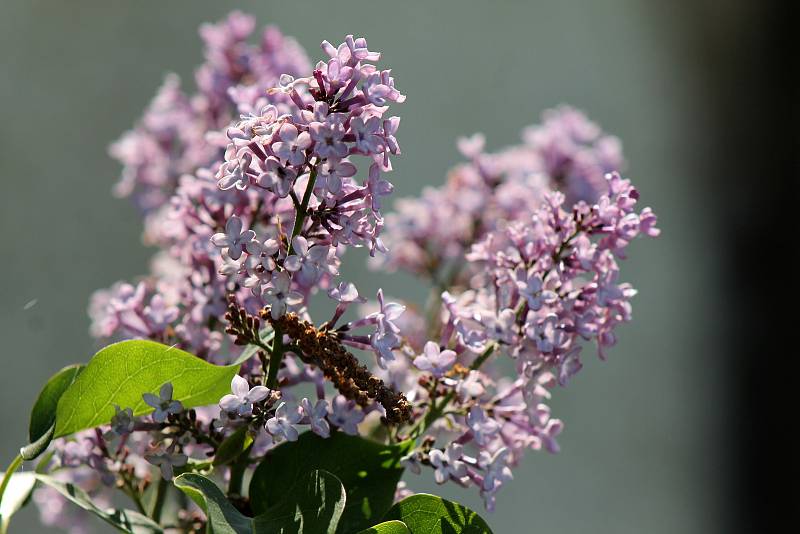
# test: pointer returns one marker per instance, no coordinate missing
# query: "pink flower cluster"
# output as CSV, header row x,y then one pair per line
x,y
176,134
251,194
539,290
429,235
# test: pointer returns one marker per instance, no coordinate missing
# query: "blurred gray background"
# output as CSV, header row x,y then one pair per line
x,y
641,448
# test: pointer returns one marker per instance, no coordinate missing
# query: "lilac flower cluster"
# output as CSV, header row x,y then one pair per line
x,y
430,235
175,136
254,188
540,290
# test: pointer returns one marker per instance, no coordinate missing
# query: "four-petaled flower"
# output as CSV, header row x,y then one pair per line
x,y
280,296
332,171
166,459
291,145
328,141
235,173
434,360
163,404
122,421
233,238
276,177
306,260
282,424
243,397
448,463
316,416
531,288
385,338
366,132
345,414
483,428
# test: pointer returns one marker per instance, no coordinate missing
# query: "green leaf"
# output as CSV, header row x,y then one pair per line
x,y
123,520
312,506
233,446
15,497
43,414
121,372
389,527
368,470
429,514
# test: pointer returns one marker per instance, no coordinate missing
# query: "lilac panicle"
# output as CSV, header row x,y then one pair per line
x,y
255,185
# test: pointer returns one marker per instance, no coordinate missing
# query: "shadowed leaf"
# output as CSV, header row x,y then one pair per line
x,y
368,470
429,514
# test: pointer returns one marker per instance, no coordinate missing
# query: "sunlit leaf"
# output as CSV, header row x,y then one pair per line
x,y
429,514
120,373
389,527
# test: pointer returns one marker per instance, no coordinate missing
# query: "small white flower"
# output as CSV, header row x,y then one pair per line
x,y
306,259
243,397
279,296
234,239
345,415
163,404
316,416
282,425
483,428
435,360
471,386
531,288
497,470
448,463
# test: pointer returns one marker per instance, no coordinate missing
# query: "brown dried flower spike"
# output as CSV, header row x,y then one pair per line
x,y
352,379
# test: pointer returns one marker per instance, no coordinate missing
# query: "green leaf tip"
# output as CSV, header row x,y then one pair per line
x,y
428,514
43,415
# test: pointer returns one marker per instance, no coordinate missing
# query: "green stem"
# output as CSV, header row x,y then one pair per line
x,y
275,358
480,360
13,466
302,211
161,494
278,349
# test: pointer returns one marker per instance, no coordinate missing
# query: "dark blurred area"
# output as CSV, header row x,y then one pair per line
x,y
677,431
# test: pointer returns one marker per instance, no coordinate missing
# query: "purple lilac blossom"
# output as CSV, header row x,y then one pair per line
x,y
522,245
